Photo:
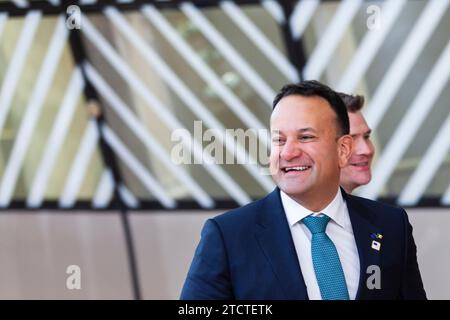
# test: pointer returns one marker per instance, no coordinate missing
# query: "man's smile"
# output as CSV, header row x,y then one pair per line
x,y
295,169
361,166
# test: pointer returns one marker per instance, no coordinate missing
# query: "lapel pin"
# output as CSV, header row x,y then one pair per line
x,y
376,236
376,245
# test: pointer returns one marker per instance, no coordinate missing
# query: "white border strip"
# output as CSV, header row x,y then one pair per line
x,y
260,40
3,21
20,3
186,95
157,106
225,48
15,66
404,61
79,166
274,9
32,113
301,16
410,124
428,167
128,197
141,173
56,138
329,40
123,111
370,44
105,190
445,200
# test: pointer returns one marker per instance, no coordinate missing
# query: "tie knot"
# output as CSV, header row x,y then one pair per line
x,y
316,224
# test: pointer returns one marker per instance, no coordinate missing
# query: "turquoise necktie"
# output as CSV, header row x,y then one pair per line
x,y
327,265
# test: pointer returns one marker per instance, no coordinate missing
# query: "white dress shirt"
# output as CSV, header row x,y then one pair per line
x,y
339,230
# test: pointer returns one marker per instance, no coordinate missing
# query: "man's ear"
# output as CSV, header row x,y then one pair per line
x,y
345,146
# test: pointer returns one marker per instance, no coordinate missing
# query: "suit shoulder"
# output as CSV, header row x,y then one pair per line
x,y
247,212
374,203
380,209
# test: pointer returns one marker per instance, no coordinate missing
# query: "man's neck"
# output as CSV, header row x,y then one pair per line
x,y
315,202
348,189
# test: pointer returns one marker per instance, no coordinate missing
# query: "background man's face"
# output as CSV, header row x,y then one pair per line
x,y
358,170
304,137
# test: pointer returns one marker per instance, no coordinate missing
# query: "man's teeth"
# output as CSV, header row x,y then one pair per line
x,y
361,164
302,168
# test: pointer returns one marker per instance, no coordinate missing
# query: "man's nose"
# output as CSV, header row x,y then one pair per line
x,y
365,147
290,151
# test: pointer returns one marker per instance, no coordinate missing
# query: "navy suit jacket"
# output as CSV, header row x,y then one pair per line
x,y
248,253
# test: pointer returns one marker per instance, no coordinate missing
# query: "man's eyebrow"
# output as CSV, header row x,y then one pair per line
x,y
308,129
364,133
368,132
302,130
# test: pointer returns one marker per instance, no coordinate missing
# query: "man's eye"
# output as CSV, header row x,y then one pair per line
x,y
305,138
367,136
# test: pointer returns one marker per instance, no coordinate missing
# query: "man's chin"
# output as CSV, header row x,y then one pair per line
x,y
292,191
364,179
360,181
355,179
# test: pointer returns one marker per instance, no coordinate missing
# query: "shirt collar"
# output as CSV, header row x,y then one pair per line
x,y
295,212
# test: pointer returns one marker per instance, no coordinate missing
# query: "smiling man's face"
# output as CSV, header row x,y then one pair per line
x,y
358,171
307,154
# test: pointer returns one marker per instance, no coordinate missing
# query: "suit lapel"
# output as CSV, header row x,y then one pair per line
x,y
364,231
275,240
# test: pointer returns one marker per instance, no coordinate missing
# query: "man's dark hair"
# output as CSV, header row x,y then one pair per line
x,y
353,103
313,88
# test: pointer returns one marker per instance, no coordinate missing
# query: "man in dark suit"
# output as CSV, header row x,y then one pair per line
x,y
308,239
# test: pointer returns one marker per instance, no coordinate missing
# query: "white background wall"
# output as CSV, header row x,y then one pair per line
x,y
37,247
182,231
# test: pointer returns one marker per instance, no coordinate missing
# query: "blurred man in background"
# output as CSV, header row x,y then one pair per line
x,y
358,170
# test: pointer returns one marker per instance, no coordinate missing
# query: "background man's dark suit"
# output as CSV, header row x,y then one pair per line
x,y
248,253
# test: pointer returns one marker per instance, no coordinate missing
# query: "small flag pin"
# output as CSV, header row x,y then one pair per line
x,y
376,236
376,245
